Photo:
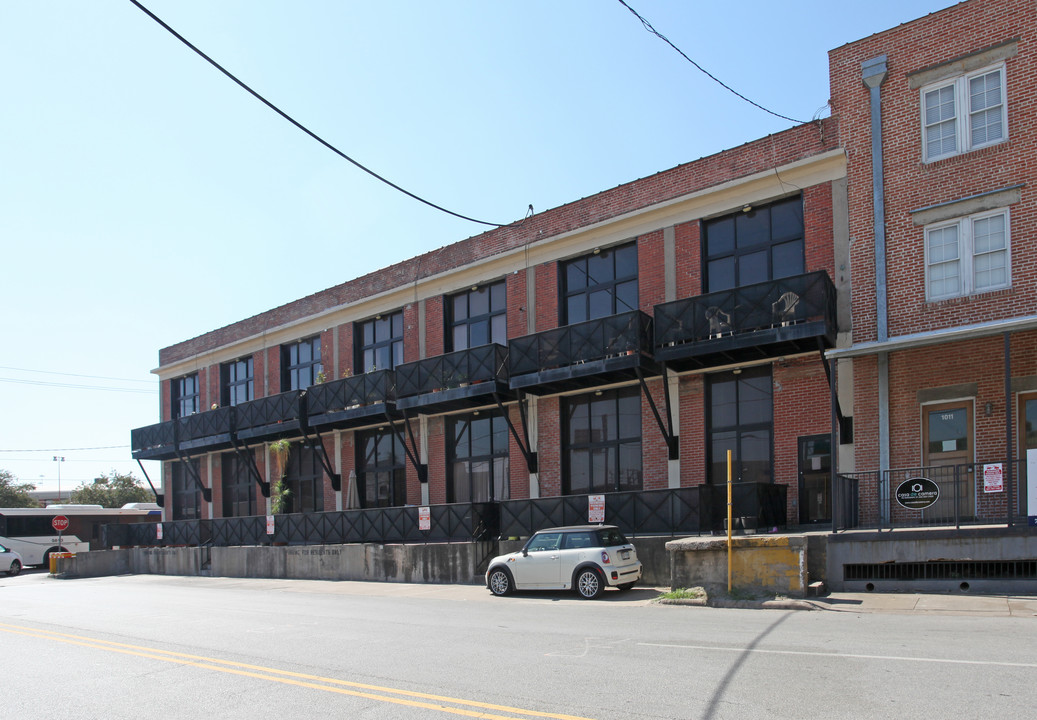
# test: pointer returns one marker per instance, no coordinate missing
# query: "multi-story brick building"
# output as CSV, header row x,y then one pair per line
x,y
942,255
623,343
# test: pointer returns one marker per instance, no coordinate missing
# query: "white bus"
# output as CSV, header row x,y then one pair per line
x,y
28,531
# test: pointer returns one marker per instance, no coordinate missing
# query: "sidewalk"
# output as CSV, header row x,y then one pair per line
x,y
930,604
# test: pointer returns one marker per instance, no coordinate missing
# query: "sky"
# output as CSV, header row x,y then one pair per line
x,y
146,199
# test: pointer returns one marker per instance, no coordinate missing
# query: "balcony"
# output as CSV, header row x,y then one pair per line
x,y
766,320
351,402
455,381
205,431
271,418
587,354
154,442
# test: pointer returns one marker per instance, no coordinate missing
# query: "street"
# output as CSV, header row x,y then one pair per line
x,y
132,646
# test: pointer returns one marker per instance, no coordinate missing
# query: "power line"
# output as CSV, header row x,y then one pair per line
x,y
649,28
95,377
99,447
309,132
72,386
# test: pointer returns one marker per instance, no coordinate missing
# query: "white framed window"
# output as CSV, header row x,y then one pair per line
x,y
968,255
964,113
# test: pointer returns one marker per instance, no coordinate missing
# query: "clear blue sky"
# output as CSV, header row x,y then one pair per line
x,y
146,199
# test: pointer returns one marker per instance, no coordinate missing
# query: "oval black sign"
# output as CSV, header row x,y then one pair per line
x,y
917,493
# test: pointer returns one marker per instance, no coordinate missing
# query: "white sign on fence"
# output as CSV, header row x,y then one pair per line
x,y
595,508
269,524
993,478
1031,485
424,518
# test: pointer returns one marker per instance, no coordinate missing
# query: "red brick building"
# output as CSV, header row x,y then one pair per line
x,y
943,339
623,343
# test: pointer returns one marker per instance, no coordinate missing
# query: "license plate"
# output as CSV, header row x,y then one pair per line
x,y
624,554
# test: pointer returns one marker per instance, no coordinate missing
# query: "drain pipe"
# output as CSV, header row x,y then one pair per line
x,y
873,74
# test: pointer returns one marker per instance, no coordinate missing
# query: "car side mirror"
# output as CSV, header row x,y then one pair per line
x,y
525,552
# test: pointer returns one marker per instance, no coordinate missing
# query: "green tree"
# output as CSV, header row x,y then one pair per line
x,y
112,490
14,493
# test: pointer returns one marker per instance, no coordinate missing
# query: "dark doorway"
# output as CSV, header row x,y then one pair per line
x,y
815,479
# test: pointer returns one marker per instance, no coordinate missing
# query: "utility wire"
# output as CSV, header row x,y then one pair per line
x,y
649,28
99,447
306,130
94,377
72,386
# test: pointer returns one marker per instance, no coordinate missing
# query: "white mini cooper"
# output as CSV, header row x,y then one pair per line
x,y
587,558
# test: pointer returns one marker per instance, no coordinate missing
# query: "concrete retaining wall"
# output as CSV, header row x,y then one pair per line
x,y
759,564
925,545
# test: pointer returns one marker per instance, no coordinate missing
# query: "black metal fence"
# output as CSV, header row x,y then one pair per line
x,y
456,522
699,509
989,493
628,332
350,392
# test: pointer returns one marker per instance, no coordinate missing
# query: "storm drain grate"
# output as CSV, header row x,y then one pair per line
x,y
944,570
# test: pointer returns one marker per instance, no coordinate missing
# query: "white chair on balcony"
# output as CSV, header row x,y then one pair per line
x,y
783,309
719,321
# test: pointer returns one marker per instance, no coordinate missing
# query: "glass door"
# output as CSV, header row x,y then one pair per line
x,y
815,479
947,442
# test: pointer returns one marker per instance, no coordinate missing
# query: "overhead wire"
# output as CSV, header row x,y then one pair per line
x,y
94,377
74,386
649,28
309,132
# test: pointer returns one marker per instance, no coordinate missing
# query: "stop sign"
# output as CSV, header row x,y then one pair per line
x,y
60,523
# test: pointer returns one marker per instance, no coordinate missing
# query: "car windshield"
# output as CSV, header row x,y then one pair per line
x,y
612,537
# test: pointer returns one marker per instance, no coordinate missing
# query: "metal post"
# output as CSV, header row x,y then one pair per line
x,y
1009,443
729,519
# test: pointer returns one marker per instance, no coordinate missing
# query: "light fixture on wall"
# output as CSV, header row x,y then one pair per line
x,y
747,208
597,250
474,288
737,371
988,409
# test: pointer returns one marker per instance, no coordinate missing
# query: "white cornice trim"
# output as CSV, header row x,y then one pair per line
x,y
937,337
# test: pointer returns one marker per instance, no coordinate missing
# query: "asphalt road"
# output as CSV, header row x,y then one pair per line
x,y
151,646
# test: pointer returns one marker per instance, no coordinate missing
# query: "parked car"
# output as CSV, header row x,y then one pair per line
x,y
587,558
10,561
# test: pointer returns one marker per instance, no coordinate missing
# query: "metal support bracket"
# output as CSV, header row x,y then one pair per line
x,y
325,461
160,499
411,455
673,447
206,492
249,459
531,457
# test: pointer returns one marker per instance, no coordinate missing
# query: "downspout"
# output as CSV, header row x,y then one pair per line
x,y
873,74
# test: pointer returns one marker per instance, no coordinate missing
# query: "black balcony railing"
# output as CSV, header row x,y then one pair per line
x,y
593,352
153,441
789,314
270,417
212,425
348,401
452,370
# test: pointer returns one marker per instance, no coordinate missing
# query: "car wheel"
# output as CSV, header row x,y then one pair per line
x,y
16,567
589,583
500,582
626,586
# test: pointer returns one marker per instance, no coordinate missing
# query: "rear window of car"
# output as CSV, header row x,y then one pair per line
x,y
612,537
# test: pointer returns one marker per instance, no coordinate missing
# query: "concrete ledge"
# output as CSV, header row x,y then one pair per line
x,y
761,564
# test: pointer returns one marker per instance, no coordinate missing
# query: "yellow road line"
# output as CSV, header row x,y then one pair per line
x,y
288,677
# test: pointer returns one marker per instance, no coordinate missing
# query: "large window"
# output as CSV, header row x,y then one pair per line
x,y
477,452
381,342
740,419
381,469
760,244
964,113
185,395
602,442
300,364
187,502
967,255
305,480
239,492
478,317
237,382
601,284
